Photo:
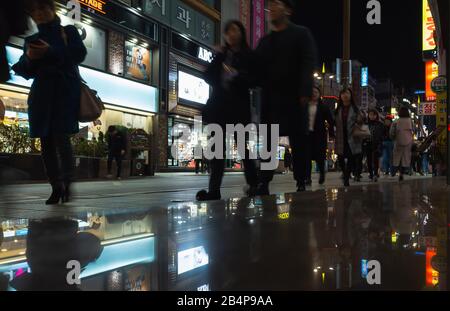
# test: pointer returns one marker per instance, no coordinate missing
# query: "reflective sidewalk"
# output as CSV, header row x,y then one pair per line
x,y
321,240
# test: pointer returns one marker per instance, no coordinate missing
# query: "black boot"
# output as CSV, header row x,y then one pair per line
x,y
301,187
57,194
322,179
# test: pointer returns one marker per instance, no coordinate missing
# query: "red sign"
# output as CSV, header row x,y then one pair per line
x,y
258,21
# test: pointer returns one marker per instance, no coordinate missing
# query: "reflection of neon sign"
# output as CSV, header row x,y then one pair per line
x,y
96,5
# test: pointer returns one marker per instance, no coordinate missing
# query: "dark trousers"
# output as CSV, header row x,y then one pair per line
x,y
347,164
299,159
373,162
118,158
198,162
357,163
313,153
57,155
217,169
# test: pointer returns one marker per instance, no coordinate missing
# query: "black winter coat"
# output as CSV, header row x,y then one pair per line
x,y
286,62
54,100
229,103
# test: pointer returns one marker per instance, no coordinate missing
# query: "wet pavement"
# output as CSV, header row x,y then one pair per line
x,y
321,240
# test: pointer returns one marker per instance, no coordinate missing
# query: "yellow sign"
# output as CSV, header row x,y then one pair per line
x,y
428,27
96,5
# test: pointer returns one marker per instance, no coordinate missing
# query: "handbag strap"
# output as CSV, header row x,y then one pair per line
x,y
66,43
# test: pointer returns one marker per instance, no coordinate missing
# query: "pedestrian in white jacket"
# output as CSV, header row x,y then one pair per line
x,y
403,135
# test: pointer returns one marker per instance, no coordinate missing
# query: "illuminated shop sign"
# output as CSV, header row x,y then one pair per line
x,y
96,5
205,55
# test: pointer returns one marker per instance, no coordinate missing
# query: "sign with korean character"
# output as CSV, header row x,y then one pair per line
x,y
183,18
427,109
205,29
158,9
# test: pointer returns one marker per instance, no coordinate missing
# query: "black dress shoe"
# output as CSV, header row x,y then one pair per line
x,y
204,195
56,196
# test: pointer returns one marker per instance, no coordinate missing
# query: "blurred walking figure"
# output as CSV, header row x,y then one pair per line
x,y
348,146
230,77
321,123
117,146
402,134
286,62
287,160
374,145
51,57
388,148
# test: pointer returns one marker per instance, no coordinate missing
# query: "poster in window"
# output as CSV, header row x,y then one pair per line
x,y
138,62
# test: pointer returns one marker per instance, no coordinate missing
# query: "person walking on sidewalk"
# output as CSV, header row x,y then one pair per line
x,y
117,146
286,61
51,57
230,78
402,134
321,124
388,148
374,144
348,146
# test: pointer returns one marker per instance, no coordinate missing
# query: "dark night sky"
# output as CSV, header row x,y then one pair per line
x,y
390,49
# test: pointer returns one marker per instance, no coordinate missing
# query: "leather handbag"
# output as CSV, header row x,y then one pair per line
x,y
361,131
91,106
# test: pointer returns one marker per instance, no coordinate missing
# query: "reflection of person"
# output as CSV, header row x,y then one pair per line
x,y
51,244
286,59
116,149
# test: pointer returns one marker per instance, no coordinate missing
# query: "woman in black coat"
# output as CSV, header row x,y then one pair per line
x,y
51,57
230,78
